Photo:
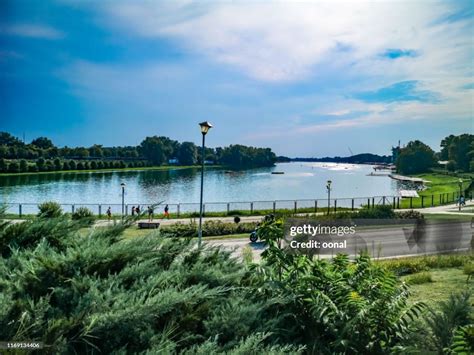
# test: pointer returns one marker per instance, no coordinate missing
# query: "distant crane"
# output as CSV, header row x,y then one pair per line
x,y
350,150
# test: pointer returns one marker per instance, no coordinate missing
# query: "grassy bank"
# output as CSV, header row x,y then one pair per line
x,y
440,190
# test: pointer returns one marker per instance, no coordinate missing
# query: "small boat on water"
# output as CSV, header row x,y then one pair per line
x,y
278,172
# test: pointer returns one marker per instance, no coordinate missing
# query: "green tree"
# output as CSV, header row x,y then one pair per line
x,y
40,163
23,165
187,153
153,149
57,164
9,140
3,165
415,158
43,143
14,167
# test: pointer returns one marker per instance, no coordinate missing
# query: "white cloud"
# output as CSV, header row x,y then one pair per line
x,y
32,31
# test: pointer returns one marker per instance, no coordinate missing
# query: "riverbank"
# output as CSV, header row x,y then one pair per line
x,y
112,170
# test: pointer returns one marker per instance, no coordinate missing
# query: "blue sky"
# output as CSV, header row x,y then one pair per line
x,y
304,78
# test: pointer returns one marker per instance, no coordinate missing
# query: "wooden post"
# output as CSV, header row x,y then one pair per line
x,y
72,208
228,207
411,202
368,203
251,207
100,210
383,199
274,206
422,201
203,209
315,206
394,203
335,205
352,205
126,210
398,202
19,210
432,200
178,212
373,202
296,206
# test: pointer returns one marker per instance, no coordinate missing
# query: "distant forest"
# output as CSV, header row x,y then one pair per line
x,y
41,154
354,159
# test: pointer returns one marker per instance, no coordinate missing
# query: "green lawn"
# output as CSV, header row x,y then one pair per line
x,y
441,189
445,282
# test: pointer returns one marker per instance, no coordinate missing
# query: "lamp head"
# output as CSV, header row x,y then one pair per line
x,y
205,126
122,184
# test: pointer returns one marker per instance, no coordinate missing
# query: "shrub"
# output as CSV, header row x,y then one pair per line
x,y
14,167
410,214
419,278
80,166
377,212
209,228
72,165
447,317
82,213
49,209
469,270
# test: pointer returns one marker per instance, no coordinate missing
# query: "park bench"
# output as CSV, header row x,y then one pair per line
x,y
148,225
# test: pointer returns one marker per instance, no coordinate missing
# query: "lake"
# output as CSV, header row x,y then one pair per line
x,y
300,181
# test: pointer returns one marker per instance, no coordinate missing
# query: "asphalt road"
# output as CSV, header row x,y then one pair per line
x,y
387,242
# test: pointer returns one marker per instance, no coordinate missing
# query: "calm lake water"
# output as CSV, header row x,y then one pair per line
x,y
299,181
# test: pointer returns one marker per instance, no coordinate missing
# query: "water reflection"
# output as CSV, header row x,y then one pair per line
x,y
299,181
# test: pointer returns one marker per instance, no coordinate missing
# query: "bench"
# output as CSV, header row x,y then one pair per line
x,y
148,225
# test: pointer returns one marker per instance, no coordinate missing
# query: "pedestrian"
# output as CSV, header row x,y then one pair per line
x,y
150,213
133,210
109,213
462,200
137,210
167,213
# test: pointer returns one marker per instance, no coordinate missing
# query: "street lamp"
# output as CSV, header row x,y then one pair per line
x,y
328,188
123,199
460,193
205,126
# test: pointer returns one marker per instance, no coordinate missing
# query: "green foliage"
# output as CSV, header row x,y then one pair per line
x,y
240,156
187,153
412,265
459,150
463,340
100,294
209,228
419,278
49,209
338,306
82,213
410,214
469,270
451,314
415,158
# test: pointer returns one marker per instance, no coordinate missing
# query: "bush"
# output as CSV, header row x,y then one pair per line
x,y
209,228
49,209
377,212
410,215
23,165
419,278
412,265
82,213
14,167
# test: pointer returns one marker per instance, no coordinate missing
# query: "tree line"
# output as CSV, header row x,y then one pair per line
x,y
457,155
42,155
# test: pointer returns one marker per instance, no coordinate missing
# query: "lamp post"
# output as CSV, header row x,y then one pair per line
x,y
328,188
123,199
205,126
460,193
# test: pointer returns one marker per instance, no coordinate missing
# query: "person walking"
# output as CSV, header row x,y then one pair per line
x,y
167,213
150,213
137,210
109,213
133,210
